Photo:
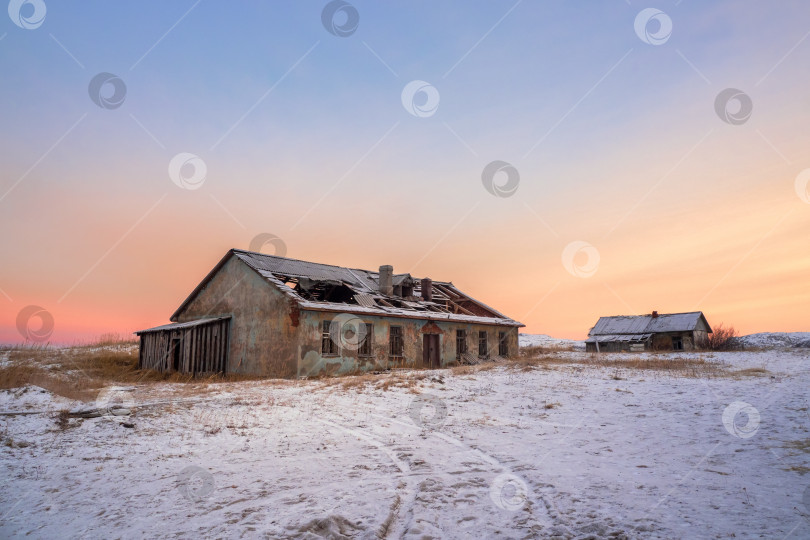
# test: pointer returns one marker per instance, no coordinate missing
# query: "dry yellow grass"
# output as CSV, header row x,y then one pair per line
x,y
684,366
400,378
539,350
79,372
802,445
751,372
16,376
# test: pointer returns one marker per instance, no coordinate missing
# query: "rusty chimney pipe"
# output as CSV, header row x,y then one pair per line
x,y
427,290
654,314
387,280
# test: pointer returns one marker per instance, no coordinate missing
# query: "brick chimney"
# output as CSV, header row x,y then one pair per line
x,y
427,289
654,314
387,280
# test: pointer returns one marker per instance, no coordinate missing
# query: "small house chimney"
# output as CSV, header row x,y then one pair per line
x,y
427,290
654,314
387,280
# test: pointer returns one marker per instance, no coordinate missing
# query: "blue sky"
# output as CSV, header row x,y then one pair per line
x,y
304,135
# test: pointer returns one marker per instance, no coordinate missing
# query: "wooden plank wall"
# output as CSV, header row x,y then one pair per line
x,y
203,348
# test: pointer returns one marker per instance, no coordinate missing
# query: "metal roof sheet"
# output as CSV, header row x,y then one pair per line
x,y
621,325
675,322
356,277
182,325
363,279
604,338
365,300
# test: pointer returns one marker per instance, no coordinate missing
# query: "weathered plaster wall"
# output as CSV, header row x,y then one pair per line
x,y
312,362
701,338
263,339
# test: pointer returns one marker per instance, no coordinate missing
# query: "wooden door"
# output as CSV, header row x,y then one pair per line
x,y
430,350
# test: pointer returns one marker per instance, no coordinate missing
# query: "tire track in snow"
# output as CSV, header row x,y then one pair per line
x,y
492,461
405,509
391,525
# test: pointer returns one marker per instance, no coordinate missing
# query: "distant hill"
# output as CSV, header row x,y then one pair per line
x,y
776,340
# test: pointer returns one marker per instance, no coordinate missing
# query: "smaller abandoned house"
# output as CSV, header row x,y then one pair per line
x,y
667,331
279,317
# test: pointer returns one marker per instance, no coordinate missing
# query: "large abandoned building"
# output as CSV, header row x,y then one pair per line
x,y
667,331
267,315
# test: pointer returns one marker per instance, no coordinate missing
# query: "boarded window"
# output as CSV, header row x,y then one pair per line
x,y
461,343
483,351
395,342
368,340
328,345
503,347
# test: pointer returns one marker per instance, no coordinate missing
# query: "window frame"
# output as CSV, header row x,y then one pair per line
x,y
395,342
328,345
366,348
461,343
483,344
503,346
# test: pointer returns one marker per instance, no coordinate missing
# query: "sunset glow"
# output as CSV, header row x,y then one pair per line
x,y
303,135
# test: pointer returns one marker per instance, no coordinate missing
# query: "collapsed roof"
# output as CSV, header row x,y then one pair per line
x,y
324,287
641,327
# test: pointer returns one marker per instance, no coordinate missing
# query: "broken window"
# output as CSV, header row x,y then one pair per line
x,y
503,347
482,344
368,340
677,343
461,343
328,345
395,342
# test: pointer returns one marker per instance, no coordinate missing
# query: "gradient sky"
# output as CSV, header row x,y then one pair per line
x,y
304,136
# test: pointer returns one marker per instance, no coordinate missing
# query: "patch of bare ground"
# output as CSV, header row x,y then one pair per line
x,y
409,379
750,372
469,370
694,366
802,445
17,376
797,448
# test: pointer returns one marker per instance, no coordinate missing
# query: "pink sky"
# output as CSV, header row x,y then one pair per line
x,y
617,141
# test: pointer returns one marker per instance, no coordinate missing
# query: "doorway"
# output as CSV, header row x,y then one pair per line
x,y
430,350
176,354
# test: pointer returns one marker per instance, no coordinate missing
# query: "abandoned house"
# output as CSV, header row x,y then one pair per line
x,y
667,331
267,315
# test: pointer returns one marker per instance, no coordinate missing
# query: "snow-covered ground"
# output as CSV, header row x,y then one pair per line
x,y
563,449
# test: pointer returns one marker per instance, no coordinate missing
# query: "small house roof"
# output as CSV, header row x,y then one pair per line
x,y
648,324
